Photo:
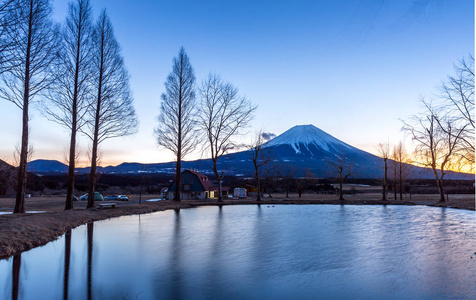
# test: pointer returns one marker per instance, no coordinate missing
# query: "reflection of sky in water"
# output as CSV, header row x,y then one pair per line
x,y
248,252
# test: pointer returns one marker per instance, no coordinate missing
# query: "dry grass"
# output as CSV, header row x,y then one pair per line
x,y
21,232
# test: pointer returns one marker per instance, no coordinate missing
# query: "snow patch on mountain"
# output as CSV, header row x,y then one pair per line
x,y
305,135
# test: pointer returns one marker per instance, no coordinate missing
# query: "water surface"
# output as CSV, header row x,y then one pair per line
x,y
251,252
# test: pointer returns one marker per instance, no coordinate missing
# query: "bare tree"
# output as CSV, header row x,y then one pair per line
x,y
34,49
458,105
177,119
70,94
400,161
303,183
111,113
384,152
343,166
286,174
224,114
269,174
259,158
436,140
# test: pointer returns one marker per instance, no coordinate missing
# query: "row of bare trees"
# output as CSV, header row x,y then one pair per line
x,y
218,115
444,132
75,69
396,163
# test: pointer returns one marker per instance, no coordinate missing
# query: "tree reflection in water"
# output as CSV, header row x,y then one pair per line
x,y
67,261
16,265
176,278
90,227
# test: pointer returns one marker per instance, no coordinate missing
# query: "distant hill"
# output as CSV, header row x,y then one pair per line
x,y
6,178
303,147
43,166
4,165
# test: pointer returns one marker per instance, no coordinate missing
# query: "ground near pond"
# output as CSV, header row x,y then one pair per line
x,y
20,232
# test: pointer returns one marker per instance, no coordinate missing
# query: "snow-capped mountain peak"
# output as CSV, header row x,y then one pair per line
x,y
305,135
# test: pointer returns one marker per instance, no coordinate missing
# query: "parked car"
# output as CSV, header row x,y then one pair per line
x,y
111,198
123,198
97,197
75,198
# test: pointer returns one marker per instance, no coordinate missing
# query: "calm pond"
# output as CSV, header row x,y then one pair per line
x,y
251,252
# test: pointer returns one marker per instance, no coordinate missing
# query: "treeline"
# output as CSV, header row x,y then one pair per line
x,y
74,70
153,184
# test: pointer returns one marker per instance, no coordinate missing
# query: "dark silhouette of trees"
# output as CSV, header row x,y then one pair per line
x,y
343,166
223,115
70,94
303,183
399,168
33,50
384,152
286,174
111,114
177,119
269,174
259,159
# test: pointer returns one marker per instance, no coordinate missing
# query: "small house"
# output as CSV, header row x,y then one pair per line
x,y
195,186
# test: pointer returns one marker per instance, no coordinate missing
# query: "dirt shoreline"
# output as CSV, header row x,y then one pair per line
x,y
22,232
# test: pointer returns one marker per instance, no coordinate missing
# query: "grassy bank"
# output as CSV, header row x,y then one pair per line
x,y
21,232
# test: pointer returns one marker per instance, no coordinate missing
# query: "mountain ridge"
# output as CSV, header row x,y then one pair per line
x,y
302,147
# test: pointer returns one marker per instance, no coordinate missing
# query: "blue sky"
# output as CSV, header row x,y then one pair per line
x,y
351,68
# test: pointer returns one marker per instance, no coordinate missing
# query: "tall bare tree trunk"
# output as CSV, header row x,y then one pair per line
x,y
219,179
258,187
71,167
21,185
178,177
400,179
94,154
395,189
178,171
74,129
341,192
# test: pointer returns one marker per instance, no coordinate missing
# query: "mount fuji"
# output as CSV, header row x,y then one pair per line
x,y
306,147
301,137
302,148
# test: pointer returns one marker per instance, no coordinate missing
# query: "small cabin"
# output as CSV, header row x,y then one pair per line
x,y
195,186
239,193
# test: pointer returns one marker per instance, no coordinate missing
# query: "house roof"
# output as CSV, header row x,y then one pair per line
x,y
207,185
203,180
